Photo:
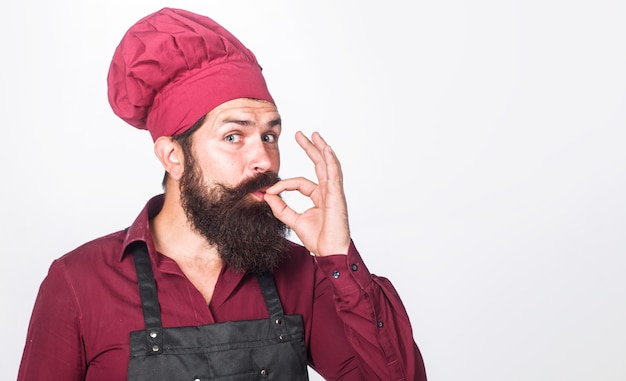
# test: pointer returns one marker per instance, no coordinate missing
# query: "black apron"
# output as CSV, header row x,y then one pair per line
x,y
265,349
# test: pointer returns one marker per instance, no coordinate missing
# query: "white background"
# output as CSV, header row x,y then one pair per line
x,y
482,144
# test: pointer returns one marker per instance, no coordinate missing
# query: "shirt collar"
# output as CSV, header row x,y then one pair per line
x,y
140,228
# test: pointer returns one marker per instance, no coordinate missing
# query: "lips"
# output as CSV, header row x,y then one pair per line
x,y
257,185
260,194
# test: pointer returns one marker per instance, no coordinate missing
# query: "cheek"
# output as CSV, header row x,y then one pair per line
x,y
276,162
227,170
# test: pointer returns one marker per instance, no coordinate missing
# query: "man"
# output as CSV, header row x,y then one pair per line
x,y
204,285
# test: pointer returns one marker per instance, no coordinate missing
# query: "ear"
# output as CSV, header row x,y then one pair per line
x,y
170,155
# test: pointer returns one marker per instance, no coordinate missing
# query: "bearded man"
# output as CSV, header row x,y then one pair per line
x,y
204,284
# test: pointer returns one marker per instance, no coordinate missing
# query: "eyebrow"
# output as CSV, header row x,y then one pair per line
x,y
244,122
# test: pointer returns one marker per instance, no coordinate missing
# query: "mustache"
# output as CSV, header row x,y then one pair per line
x,y
253,184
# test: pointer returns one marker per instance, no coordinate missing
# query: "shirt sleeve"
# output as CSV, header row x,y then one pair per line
x,y
53,349
375,321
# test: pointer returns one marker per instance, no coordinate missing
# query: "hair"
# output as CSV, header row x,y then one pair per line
x,y
185,141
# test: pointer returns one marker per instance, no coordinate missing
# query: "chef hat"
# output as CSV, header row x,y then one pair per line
x,y
173,66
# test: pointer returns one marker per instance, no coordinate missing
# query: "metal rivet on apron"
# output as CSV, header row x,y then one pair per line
x,y
153,334
281,338
263,373
196,379
155,348
279,321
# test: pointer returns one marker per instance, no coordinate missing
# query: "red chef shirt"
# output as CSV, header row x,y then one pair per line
x,y
355,324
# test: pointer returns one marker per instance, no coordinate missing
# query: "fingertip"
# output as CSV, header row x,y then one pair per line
x,y
301,135
318,139
269,197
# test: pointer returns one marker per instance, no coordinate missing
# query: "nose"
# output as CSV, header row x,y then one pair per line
x,y
262,157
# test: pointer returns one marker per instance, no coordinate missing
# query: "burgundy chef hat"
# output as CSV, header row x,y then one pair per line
x,y
173,66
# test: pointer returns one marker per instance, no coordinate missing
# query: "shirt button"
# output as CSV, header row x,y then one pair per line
x,y
336,274
379,324
354,267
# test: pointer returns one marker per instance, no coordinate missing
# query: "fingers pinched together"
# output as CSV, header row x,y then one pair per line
x,y
323,228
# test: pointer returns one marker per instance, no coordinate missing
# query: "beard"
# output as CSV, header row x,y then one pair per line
x,y
247,235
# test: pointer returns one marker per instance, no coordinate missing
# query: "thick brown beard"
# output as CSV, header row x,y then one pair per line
x,y
247,235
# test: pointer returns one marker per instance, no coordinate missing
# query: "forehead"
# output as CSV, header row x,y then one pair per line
x,y
254,110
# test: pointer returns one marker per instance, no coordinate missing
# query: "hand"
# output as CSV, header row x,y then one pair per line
x,y
323,229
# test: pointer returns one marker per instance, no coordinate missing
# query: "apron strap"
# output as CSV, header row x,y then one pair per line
x,y
149,299
272,301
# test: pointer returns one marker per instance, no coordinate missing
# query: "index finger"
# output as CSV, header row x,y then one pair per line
x,y
313,151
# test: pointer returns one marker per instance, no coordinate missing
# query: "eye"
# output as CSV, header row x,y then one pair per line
x,y
270,138
232,138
